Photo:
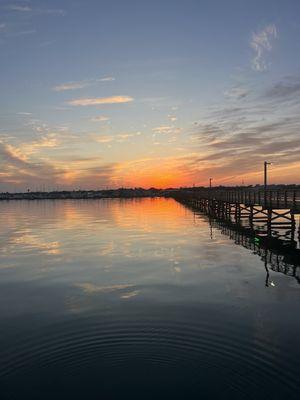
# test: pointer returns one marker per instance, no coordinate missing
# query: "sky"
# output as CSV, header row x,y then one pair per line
x,y
124,93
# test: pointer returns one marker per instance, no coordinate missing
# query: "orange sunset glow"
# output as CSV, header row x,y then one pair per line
x,y
145,115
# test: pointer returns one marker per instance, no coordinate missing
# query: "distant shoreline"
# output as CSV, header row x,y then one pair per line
x,y
85,194
127,193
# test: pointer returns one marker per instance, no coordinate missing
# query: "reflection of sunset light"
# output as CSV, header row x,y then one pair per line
x,y
87,220
147,216
36,242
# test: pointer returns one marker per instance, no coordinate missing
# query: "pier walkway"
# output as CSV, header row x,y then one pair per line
x,y
268,213
274,199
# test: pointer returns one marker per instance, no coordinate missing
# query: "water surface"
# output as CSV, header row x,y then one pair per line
x,y
140,298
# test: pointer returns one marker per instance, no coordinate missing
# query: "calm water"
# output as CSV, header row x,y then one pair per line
x,y
139,299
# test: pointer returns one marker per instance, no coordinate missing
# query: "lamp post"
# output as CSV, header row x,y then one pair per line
x,y
266,174
210,179
266,180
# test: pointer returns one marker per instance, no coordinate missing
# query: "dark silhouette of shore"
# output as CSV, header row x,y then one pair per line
x,y
84,194
126,192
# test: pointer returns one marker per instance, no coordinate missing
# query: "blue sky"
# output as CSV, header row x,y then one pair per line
x,y
97,94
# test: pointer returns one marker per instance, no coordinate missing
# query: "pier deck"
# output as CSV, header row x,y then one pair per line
x,y
269,199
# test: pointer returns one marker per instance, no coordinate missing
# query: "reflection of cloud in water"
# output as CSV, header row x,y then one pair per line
x,y
122,249
130,294
35,242
92,288
107,249
7,266
81,303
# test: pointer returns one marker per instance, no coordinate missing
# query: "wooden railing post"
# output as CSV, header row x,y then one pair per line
x,y
285,198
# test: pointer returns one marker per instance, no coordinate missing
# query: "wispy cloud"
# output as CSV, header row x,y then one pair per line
x,y
166,129
289,87
107,79
24,113
71,86
18,18
32,11
237,92
100,118
262,43
81,84
22,33
100,100
119,138
103,138
26,167
122,137
20,170
234,141
49,140
19,8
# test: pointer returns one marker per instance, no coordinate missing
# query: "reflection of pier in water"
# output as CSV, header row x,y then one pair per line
x,y
261,221
277,254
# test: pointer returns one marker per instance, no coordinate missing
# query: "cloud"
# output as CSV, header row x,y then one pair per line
x,y
261,43
18,19
22,33
166,129
234,142
81,84
26,9
100,100
102,138
107,79
47,141
12,153
24,113
20,170
100,118
19,8
25,168
123,136
70,86
88,177
120,138
285,89
237,93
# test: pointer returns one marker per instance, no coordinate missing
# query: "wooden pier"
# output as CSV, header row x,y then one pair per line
x,y
267,212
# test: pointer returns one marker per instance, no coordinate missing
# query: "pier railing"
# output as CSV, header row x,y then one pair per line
x,y
281,199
